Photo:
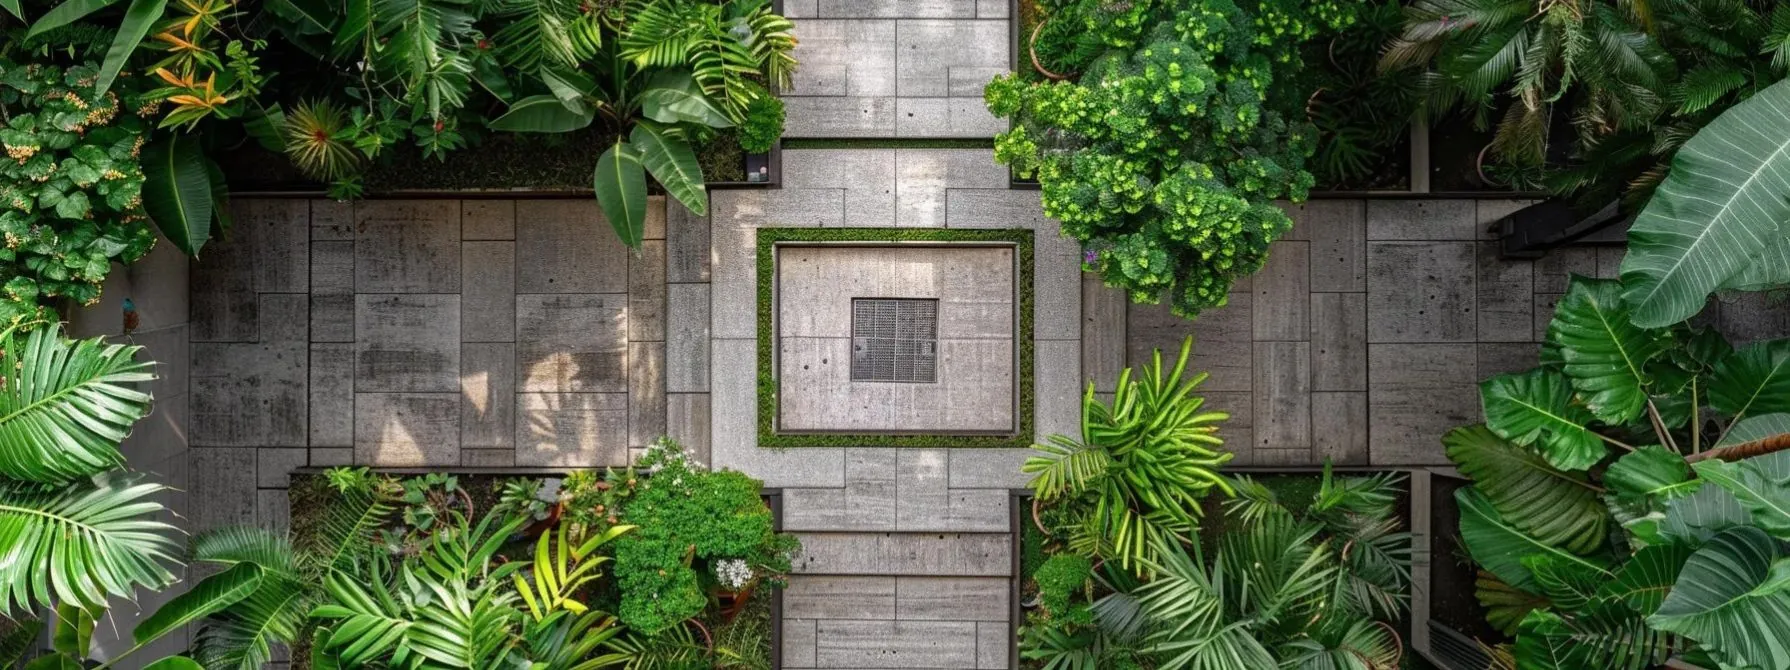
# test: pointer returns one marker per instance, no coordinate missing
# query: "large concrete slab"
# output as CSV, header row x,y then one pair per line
x,y
1339,341
1505,297
687,338
1416,393
902,9
827,597
994,208
1222,340
1417,292
1283,395
687,421
1339,427
646,392
280,241
249,395
1283,293
945,117
1103,334
488,220
686,244
407,246
917,554
572,343
567,247
488,292
646,292
407,343
1337,230
952,598
925,176
867,501
899,644
866,175
855,116
853,58
332,395
924,501
223,303
407,429
930,52
222,494
1422,220
487,395
572,429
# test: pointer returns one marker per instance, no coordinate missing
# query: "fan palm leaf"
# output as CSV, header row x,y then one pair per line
x,y
82,543
66,404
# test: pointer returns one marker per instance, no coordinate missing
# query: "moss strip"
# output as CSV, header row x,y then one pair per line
x,y
769,238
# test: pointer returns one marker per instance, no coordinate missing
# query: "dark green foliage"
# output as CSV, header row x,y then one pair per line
x,y
763,124
1363,114
1061,577
1165,155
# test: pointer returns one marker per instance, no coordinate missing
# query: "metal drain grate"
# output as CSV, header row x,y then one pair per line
x,y
894,340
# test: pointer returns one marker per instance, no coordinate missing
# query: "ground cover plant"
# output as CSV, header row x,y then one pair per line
x,y
1121,573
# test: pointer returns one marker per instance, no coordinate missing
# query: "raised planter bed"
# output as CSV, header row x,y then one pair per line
x,y
309,495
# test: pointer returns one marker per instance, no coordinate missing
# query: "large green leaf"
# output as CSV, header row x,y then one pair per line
x,y
1601,351
1716,221
12,7
1650,473
177,190
66,13
673,96
1695,518
672,162
1642,582
141,16
1733,597
174,663
1753,380
621,191
243,635
1757,427
1559,508
66,404
1761,484
545,114
1505,607
1500,547
1536,409
1608,640
82,543
202,600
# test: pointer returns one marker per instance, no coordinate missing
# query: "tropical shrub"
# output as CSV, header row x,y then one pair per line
x,y
1165,155
1140,469
71,185
1596,557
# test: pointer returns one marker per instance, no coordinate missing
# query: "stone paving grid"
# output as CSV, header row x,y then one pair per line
x,y
407,334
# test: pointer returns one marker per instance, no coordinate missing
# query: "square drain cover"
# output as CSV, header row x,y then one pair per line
x,y
894,340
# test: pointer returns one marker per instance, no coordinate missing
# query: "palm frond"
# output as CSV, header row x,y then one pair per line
x,y
246,544
244,635
82,543
66,404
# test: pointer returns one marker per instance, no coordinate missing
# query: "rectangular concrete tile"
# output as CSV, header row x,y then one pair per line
x,y
1339,427
734,209
988,468
407,429
249,395
868,500
952,599
487,395
332,395
488,219
1222,340
332,268
900,644
273,511
1505,298
407,246
1103,312
222,494
1417,392
993,208
923,176
1282,457
924,503
734,429
867,175
285,317
567,247
1420,292
222,300
687,339
488,292
332,220
844,58
329,457
1058,392
1283,395
280,234
686,245
1056,298
332,318
572,429
408,343
1544,314
1554,271
653,226
922,554
927,51
856,116
646,392
901,9
572,343
646,293
798,642
1338,233
1283,293
1238,431
1422,220
994,642
687,421
273,467
1339,341
969,81
820,597
1497,358
945,117
488,458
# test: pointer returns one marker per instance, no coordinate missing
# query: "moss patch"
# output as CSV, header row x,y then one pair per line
x,y
769,238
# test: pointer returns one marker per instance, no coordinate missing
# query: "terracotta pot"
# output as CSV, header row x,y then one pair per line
x,y
1032,48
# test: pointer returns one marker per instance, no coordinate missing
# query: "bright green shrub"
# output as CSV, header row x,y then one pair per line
x,y
1165,156
1061,578
70,185
763,124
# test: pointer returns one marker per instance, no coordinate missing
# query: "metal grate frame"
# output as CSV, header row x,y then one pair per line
x,y
894,340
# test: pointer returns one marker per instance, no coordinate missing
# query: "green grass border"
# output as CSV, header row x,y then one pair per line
x,y
769,238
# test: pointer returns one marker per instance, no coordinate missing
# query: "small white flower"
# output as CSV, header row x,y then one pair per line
x,y
733,573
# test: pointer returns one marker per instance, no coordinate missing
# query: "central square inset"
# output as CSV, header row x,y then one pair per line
x,y
896,338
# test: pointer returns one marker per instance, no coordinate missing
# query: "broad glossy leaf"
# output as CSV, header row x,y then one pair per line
x,y
1643,581
1756,427
1536,409
1505,607
174,663
1717,220
1651,472
620,183
177,190
1601,351
671,161
1610,639
1753,380
56,661
1559,508
1569,586
66,13
1761,484
1733,597
141,16
1695,518
545,114
673,96
1500,547
12,7
203,599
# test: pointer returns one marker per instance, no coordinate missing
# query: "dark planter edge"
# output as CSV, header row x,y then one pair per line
x,y
772,497
776,176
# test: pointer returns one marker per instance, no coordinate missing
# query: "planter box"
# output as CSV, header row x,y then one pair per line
x,y
772,161
1453,619
773,498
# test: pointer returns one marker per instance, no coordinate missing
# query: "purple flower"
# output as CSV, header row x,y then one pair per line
x,y
1090,256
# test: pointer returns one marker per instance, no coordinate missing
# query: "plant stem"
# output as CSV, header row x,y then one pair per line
x,y
1744,450
1626,446
1659,426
